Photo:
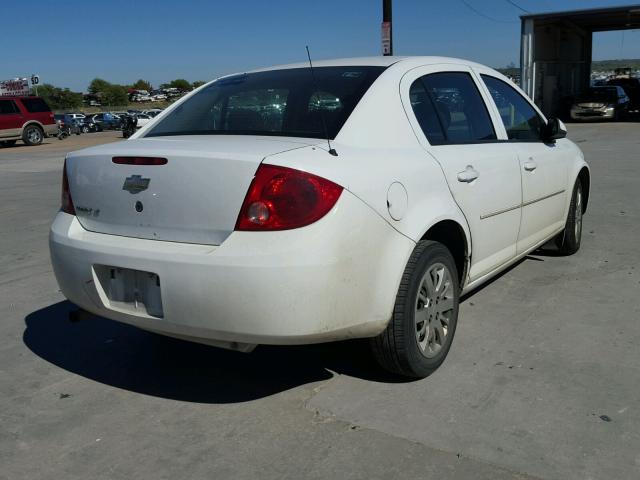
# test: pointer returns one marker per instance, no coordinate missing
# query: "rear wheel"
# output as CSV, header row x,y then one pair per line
x,y
569,240
425,315
32,135
7,143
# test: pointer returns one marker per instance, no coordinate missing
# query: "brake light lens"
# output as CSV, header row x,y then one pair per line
x,y
139,160
281,198
66,201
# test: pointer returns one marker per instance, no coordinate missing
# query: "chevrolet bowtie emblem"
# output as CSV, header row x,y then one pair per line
x,y
135,184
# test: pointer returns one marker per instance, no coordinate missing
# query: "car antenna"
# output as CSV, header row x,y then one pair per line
x,y
332,151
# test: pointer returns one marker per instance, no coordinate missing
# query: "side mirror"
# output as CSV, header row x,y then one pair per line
x,y
553,130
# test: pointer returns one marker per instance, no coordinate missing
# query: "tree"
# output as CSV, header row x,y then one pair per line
x,y
180,84
142,85
114,95
98,85
59,98
197,83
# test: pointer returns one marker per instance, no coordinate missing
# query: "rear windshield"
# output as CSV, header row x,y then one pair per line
x,y
35,105
277,102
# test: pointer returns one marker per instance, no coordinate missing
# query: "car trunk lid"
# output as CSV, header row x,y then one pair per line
x,y
194,197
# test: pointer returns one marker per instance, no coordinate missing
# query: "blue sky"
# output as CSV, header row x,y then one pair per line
x,y
69,43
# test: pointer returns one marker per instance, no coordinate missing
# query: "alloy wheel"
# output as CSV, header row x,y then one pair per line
x,y
578,214
34,135
433,310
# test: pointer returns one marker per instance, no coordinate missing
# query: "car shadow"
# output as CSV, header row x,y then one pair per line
x,y
20,145
126,357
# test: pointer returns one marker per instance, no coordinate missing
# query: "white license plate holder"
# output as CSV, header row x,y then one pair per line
x,y
130,291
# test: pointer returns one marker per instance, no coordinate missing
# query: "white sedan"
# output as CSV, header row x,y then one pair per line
x,y
143,119
285,206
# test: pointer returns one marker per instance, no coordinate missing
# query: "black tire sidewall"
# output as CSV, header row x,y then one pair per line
x,y
418,363
571,244
25,136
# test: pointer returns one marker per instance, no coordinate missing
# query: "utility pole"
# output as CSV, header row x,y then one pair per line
x,y
386,31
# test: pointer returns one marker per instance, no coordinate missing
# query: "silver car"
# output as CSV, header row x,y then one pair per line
x,y
601,103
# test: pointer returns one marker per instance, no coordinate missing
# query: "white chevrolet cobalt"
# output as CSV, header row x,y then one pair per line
x,y
290,205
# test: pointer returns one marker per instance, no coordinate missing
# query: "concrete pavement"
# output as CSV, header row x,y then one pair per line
x,y
541,382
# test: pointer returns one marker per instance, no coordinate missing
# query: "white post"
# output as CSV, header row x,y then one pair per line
x,y
527,58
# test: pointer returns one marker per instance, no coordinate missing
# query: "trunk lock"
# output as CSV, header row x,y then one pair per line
x,y
139,206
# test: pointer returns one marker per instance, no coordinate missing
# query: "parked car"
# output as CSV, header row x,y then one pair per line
x,y
90,126
76,116
59,119
73,123
138,97
143,119
631,87
153,112
106,120
366,219
601,103
25,118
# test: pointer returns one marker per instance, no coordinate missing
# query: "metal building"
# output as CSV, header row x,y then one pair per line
x,y
555,50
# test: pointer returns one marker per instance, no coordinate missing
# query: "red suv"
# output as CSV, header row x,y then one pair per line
x,y
26,118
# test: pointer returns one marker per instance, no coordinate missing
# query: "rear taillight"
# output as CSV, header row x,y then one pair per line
x,y
67,203
281,198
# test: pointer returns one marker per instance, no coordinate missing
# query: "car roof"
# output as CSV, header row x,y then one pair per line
x,y
379,61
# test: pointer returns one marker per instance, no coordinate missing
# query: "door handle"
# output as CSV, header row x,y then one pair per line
x,y
530,166
468,175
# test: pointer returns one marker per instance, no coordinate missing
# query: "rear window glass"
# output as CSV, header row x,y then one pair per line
x,y
35,105
278,102
7,107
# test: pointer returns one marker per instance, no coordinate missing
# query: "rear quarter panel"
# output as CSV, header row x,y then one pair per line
x,y
377,147
368,173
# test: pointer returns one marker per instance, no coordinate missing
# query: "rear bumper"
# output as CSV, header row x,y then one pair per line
x,y
50,130
332,280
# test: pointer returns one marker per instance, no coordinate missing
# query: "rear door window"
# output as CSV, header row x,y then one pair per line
x,y
35,105
450,109
8,107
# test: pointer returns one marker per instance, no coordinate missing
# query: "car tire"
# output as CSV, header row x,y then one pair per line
x,y
32,135
568,241
419,334
85,129
8,143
